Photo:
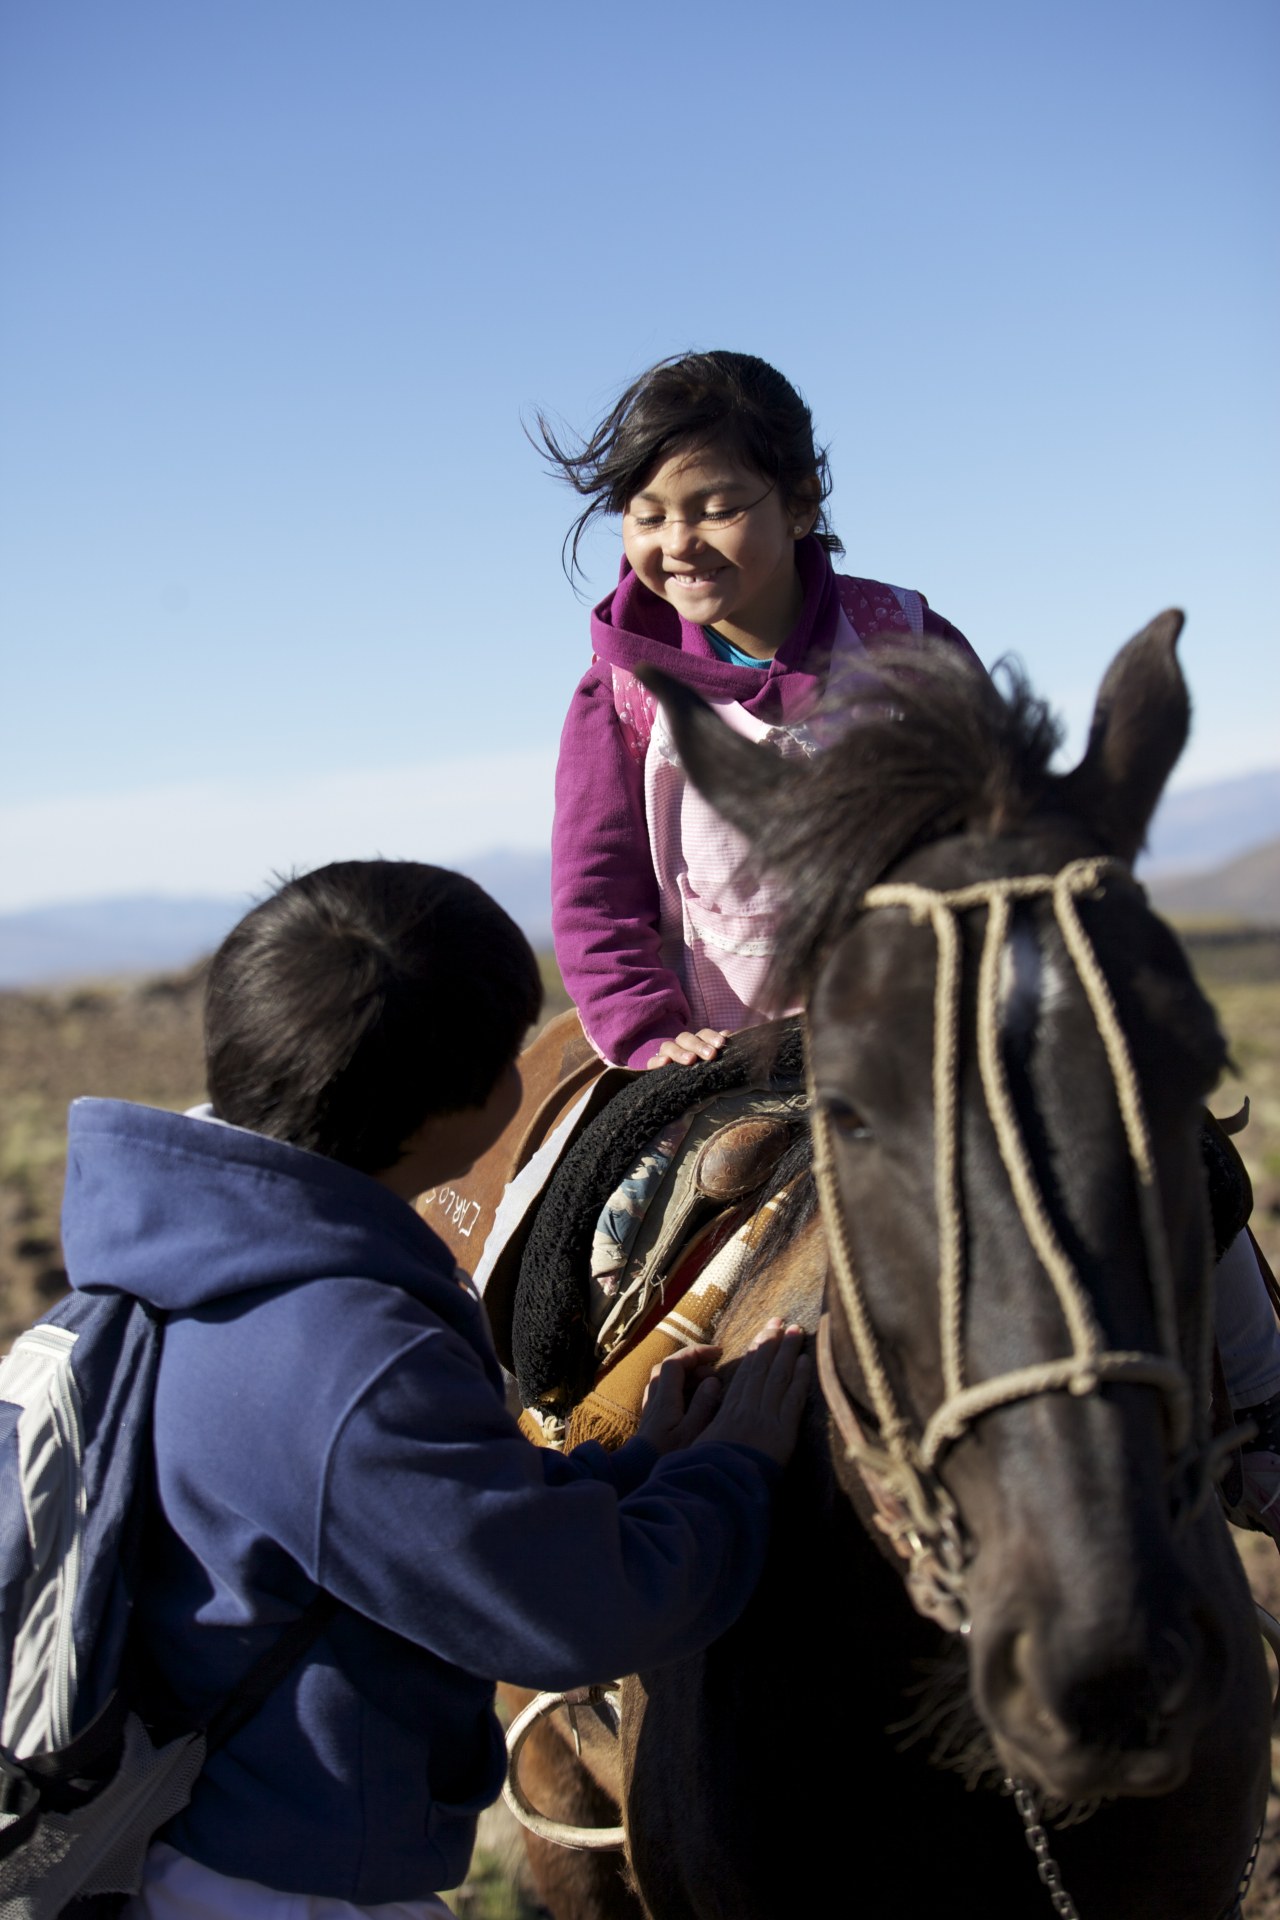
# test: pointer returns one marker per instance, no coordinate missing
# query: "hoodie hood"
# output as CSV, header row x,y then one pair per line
x,y
183,1212
632,628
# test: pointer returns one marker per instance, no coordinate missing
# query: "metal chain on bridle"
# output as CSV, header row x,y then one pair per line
x,y
899,1466
1050,1874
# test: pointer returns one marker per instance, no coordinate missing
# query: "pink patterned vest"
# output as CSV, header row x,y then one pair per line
x,y
717,916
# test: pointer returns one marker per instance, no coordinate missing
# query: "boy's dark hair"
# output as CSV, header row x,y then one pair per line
x,y
729,400
361,999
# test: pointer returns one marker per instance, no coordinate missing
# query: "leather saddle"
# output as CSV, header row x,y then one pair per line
x,y
744,1110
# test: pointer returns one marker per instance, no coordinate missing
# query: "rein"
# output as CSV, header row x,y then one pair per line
x,y
899,1466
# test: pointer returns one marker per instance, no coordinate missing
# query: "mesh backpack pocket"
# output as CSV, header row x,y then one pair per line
x,y
75,1424
84,1784
75,1402
83,1780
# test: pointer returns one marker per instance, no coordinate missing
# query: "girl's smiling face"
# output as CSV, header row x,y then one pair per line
x,y
716,541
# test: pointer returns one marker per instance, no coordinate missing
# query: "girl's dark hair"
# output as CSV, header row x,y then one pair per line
x,y
732,400
361,999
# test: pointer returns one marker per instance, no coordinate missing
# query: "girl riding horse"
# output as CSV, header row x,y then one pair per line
x,y
663,930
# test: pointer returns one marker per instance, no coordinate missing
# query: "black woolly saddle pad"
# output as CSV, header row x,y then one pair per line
x,y
552,1343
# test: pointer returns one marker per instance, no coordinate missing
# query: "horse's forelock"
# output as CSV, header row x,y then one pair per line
x,y
932,747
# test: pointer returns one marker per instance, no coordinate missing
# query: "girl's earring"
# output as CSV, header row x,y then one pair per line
x,y
797,531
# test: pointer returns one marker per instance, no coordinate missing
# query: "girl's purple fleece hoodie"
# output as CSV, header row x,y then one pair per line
x,y
605,904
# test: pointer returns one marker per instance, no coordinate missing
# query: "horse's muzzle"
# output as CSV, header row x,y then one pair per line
x,y
1095,1714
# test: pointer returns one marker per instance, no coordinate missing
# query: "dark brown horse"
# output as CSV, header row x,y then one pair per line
x,y
1008,1059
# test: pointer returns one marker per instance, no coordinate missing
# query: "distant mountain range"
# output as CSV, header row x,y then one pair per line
x,y
1213,850
155,933
1201,827
1244,889
93,939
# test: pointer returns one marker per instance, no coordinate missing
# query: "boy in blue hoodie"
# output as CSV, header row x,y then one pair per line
x,y
329,1413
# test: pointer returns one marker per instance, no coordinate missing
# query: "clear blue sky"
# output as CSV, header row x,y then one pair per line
x,y
279,572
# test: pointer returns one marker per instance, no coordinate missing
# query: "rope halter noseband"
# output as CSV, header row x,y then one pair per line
x,y
899,1468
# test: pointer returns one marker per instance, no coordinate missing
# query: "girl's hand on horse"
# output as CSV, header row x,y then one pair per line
x,y
682,1394
688,1048
764,1400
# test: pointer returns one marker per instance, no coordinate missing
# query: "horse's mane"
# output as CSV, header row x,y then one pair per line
x,y
933,747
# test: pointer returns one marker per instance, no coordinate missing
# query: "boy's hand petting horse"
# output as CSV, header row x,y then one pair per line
x,y
760,1406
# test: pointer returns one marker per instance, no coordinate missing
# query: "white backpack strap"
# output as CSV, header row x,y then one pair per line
x,y
913,606
875,610
635,707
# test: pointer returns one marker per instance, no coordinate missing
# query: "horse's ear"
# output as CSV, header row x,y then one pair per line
x,y
738,777
1140,726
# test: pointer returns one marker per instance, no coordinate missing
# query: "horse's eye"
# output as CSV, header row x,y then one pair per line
x,y
845,1119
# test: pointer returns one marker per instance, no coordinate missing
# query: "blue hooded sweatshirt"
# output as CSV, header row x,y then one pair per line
x,y
329,1415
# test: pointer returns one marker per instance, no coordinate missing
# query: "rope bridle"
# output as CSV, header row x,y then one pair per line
x,y
899,1465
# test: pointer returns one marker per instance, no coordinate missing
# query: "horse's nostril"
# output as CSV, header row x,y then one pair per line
x,y
1008,1682
1119,1702
1001,1674
1173,1670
